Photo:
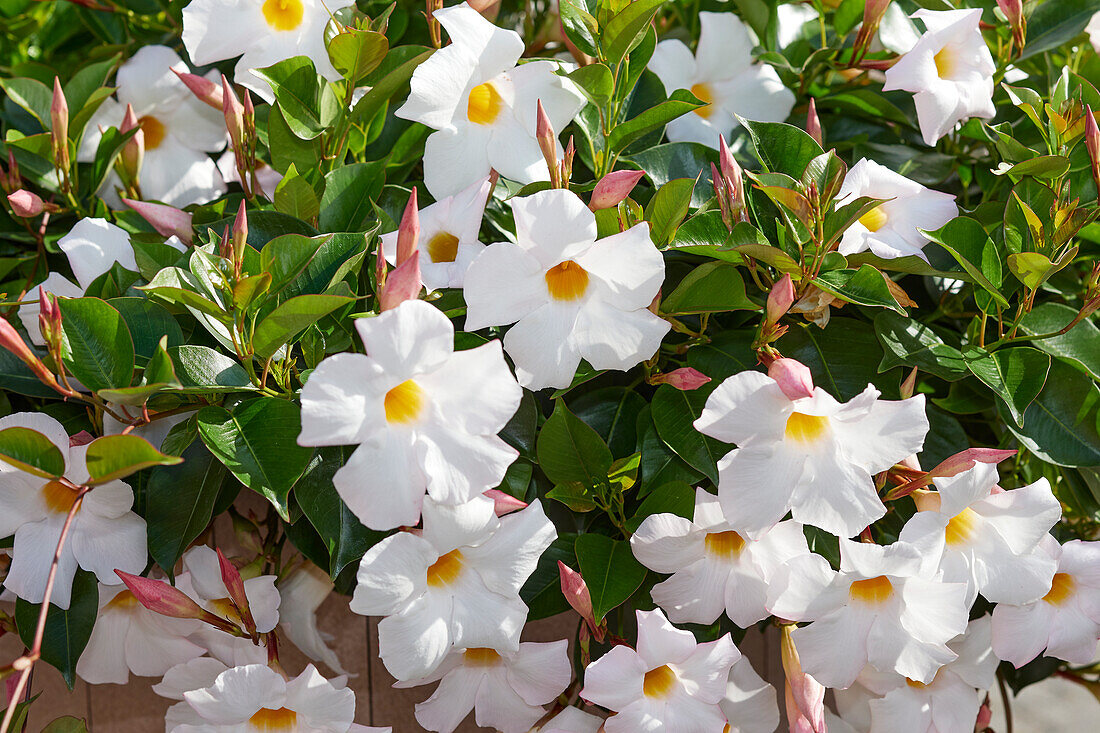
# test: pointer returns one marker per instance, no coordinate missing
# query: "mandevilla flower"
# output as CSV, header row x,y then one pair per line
x,y
891,229
300,595
570,295
949,70
749,704
572,720
482,106
800,450
722,74
454,585
424,416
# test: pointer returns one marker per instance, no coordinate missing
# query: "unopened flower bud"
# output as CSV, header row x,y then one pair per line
x,y
231,577
49,317
168,221
13,342
402,284
1014,14
160,597
204,90
793,377
780,299
1092,141
408,233
504,503
240,238
813,123
804,696
233,111
684,379
613,188
10,180
576,593
909,385
873,10
548,143
133,152
26,203
59,126
567,162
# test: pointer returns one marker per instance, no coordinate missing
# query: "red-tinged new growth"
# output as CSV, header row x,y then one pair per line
x,y
402,284
167,220
576,593
504,503
873,10
1014,13
729,186
793,377
909,385
234,584
548,143
408,233
49,318
10,180
612,189
160,597
684,379
813,122
204,90
951,466
804,696
236,125
59,128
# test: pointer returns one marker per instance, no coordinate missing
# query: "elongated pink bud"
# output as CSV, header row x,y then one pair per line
x,y
1092,142
10,180
804,696
409,231
205,90
160,597
49,317
1013,10
403,283
967,459
793,377
13,342
576,593
26,203
613,188
235,586
234,114
813,122
59,126
909,385
167,220
684,379
133,152
548,143
504,503
780,299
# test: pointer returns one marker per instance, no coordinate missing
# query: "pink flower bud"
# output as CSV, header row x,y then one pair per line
x,y
967,459
1092,142
909,385
613,188
813,123
567,162
576,593
684,379
780,299
1013,10
504,503
409,231
793,377
133,152
731,171
235,586
804,696
11,180
403,283
26,203
234,114
167,220
59,125
548,143
49,317
160,597
205,90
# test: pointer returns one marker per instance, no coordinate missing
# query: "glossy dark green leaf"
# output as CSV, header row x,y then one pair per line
x,y
712,287
783,148
1080,346
1015,374
290,318
542,591
31,451
625,29
674,412
1060,425
115,457
180,501
667,209
609,570
675,498
842,357
909,343
349,190
96,346
679,103
568,450
202,369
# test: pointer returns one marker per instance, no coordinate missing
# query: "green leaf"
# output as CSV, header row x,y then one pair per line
x,y
710,288
257,441
297,89
782,148
31,451
625,29
679,103
613,413
659,465
67,631
609,570
393,74
1052,24
67,724
842,357
292,317
15,376
201,369
180,501
767,254
704,234
288,149
148,324
664,163
542,591
909,343
1016,375
96,346
865,286
674,412
115,457
574,495
595,82
1060,425
568,450
295,197
1080,346
355,53
675,498
972,248
349,190
579,25
1042,166
32,95
667,209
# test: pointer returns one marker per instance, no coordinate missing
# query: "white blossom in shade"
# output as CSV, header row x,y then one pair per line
x,y
104,534
128,638
1066,621
714,569
949,70
892,229
261,32
1093,31
424,416
570,296
155,432
505,690
453,585
92,247
750,702
885,607
482,106
179,131
300,595
670,684
572,720
801,451
722,74
990,537
448,240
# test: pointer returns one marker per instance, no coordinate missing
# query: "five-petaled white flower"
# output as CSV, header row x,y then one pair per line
x,y
179,131
713,568
670,684
505,690
949,70
448,240
570,296
482,106
1066,621
885,607
800,450
892,229
104,535
722,74
990,537
453,585
262,33
425,417
750,702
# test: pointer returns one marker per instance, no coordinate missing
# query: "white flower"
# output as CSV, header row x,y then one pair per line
x,y
483,106
571,297
949,70
1093,31
750,702
883,608
800,450
155,432
506,690
104,535
92,246
448,240
991,540
670,684
722,74
261,32
127,638
266,176
791,20
455,584
179,131
301,594
891,229
572,720
425,417
1066,621
714,569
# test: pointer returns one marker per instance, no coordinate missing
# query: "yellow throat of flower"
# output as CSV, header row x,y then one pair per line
x,y
567,281
484,104
283,15
806,429
874,219
946,61
872,591
961,528
152,131
658,682
443,247
267,720
724,545
404,403
445,570
481,657
704,93
58,497
1061,589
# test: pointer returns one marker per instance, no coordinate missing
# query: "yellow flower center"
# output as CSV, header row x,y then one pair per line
x,y
871,590
658,682
404,402
445,570
1061,589
443,247
224,607
152,131
703,92
59,498
915,684
806,428
874,219
945,62
484,105
481,657
961,527
270,720
726,545
123,600
566,281
283,15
